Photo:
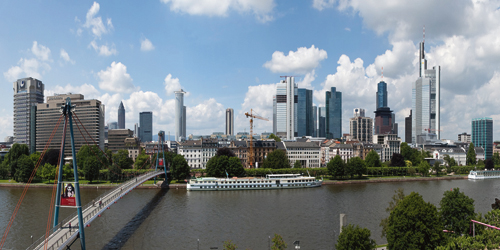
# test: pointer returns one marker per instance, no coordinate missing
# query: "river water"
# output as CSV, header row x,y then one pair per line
x,y
177,219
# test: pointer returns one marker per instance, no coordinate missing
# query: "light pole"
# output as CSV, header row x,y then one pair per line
x,y
297,244
198,244
31,239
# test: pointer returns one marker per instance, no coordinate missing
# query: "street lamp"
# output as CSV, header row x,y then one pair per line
x,y
297,244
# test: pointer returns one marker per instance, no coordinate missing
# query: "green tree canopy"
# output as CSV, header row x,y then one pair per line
x,y
471,155
24,169
496,158
15,152
51,156
4,170
91,167
278,243
336,167
355,238
276,160
274,137
140,161
414,224
114,173
122,160
35,157
372,160
229,245
47,171
297,164
217,166
456,210
407,152
437,168
179,169
488,164
397,160
91,152
396,198
357,167
449,161
424,168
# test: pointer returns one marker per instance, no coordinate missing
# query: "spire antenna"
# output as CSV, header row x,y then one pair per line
x,y
382,72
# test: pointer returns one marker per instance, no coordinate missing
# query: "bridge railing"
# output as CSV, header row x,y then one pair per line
x,y
94,207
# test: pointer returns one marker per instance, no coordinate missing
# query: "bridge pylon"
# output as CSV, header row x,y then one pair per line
x,y
161,142
67,110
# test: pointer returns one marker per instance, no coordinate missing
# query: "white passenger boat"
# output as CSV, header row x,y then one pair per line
x,y
271,181
484,174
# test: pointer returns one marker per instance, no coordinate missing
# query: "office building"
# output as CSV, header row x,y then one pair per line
x,y
333,114
286,108
464,137
305,121
88,122
121,116
391,144
381,95
408,128
180,116
361,127
113,125
426,101
136,130
229,121
116,139
146,126
383,121
482,135
28,92
322,122
315,121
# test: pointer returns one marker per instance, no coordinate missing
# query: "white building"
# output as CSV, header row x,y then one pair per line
x,y
390,144
459,154
285,109
346,151
308,153
180,116
361,127
192,152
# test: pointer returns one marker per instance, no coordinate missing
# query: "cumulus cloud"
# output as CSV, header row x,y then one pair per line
x,y
116,79
103,50
87,90
262,9
146,45
205,117
301,61
323,4
95,23
27,68
40,51
65,56
171,84
260,99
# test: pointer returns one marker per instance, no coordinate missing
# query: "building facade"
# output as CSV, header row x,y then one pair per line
x,y
307,153
381,95
28,92
285,109
322,122
116,139
121,116
383,121
361,127
408,128
315,121
333,114
390,144
88,113
482,135
229,121
305,120
464,137
146,126
180,116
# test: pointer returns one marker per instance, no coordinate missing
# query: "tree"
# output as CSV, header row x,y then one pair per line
x,y
357,166
471,155
423,168
414,224
91,167
229,245
336,167
406,152
355,238
51,156
372,160
114,173
47,171
278,243
276,160
24,169
488,164
297,164
180,169
35,157
235,167
437,168
122,160
140,161
274,137
225,151
223,166
397,160
4,170
396,198
15,152
449,161
496,158
456,210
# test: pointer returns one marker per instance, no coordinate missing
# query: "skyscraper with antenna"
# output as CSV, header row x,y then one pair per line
x,y
426,102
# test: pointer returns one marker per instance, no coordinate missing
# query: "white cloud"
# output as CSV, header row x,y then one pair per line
x,y
40,51
205,117
146,45
103,50
260,99
171,84
301,61
27,68
307,80
95,23
262,9
87,90
6,119
65,56
116,79
323,4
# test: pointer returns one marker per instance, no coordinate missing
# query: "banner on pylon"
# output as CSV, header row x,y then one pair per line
x,y
68,196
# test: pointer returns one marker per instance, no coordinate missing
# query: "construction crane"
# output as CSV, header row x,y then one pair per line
x,y
251,157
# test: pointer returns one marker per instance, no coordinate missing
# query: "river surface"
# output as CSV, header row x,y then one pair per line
x,y
177,219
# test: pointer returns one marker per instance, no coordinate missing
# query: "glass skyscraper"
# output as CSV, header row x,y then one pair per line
x,y
333,114
322,122
285,109
482,135
121,116
146,126
381,95
305,119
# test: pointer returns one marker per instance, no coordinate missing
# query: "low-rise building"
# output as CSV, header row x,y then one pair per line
x,y
390,144
116,139
308,153
261,149
192,152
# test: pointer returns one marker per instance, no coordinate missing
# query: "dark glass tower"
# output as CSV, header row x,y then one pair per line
x,y
381,95
146,125
305,121
121,116
482,135
333,114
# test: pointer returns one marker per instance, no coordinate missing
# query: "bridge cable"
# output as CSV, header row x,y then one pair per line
x,y
25,190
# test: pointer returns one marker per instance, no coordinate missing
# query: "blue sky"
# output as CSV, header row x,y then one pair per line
x,y
231,53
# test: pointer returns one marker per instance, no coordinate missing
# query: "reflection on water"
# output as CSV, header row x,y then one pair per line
x,y
157,219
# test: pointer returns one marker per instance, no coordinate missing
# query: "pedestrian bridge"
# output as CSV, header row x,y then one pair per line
x,y
63,235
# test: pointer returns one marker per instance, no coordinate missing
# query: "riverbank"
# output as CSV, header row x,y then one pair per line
x,y
183,186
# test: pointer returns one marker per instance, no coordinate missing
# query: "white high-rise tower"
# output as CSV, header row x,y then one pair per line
x,y
285,109
180,113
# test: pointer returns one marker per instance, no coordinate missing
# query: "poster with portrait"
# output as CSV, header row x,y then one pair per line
x,y
161,162
68,195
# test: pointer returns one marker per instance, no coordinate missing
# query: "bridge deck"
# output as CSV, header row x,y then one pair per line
x,y
62,235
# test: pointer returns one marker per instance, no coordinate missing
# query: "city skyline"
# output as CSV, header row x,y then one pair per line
x,y
233,56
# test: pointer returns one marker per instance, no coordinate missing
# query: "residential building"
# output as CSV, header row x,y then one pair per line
x,y
333,114
482,135
360,126
192,152
426,101
209,149
28,92
121,116
146,126
408,128
88,123
116,139
229,121
307,153
368,147
286,108
345,151
464,137
180,116
260,147
383,121
390,144
133,146
381,95
305,121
